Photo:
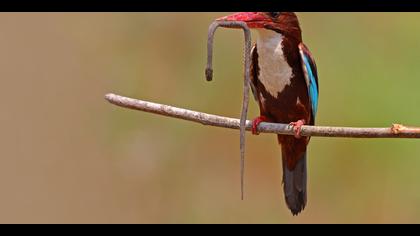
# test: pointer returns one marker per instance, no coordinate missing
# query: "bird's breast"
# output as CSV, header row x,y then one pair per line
x,y
274,71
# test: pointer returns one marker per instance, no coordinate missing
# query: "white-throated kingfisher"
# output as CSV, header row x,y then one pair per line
x,y
284,82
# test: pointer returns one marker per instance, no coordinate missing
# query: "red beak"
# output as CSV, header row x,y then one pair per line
x,y
252,19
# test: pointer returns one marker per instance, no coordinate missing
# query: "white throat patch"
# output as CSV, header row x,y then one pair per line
x,y
275,72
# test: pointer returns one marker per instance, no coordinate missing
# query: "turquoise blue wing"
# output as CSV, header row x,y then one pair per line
x,y
311,76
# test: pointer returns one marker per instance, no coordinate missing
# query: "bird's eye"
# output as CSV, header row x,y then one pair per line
x,y
273,14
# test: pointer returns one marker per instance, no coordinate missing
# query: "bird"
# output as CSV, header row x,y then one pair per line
x,y
284,82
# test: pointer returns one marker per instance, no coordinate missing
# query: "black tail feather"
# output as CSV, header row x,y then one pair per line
x,y
294,186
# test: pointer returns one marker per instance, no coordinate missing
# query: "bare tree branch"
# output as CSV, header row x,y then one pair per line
x,y
395,131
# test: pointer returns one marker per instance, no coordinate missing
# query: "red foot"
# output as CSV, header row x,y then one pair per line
x,y
255,124
297,127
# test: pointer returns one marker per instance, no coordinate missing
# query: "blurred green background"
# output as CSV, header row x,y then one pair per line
x,y
68,156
